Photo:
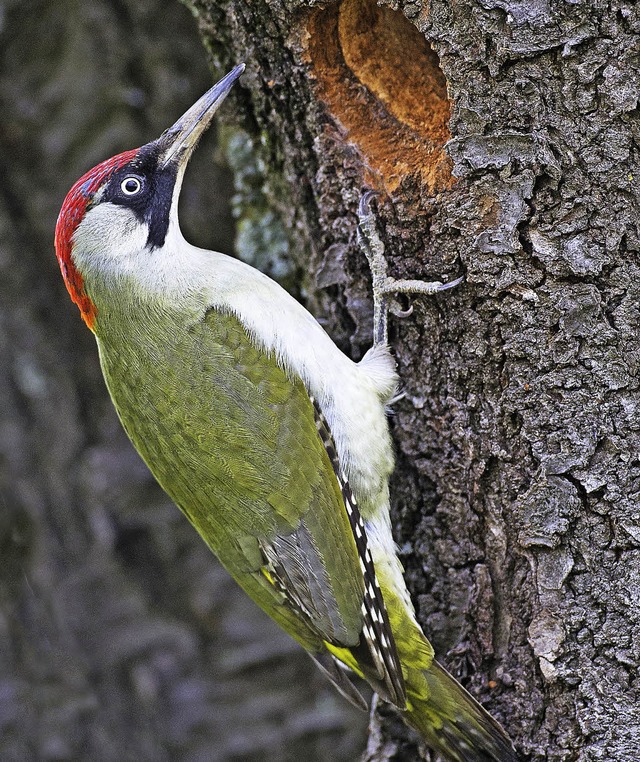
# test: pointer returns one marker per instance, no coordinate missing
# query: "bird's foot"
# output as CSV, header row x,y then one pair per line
x,y
384,286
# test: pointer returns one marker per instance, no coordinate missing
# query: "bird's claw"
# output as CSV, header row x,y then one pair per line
x,y
395,308
383,286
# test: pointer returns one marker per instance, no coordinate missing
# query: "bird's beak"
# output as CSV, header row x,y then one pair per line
x,y
178,142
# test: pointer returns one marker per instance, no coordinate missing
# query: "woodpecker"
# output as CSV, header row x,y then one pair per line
x,y
273,443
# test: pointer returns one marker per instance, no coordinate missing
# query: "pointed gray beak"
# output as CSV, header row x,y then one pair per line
x,y
178,142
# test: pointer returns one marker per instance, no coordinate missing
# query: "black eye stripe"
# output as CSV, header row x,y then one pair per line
x,y
151,202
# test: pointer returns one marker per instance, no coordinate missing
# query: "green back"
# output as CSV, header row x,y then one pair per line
x,y
232,439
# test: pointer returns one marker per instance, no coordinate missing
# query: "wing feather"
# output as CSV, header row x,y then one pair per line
x,y
245,452
378,636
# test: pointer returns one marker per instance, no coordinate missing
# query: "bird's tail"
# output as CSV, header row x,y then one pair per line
x,y
451,720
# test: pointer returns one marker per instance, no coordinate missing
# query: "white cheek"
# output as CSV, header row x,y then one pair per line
x,y
109,239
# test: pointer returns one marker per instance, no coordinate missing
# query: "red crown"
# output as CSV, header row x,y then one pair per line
x,y
71,214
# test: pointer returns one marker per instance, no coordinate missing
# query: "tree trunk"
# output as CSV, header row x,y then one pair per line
x,y
499,136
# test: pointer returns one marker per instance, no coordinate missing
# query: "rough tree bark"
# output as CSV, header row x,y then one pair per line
x,y
500,136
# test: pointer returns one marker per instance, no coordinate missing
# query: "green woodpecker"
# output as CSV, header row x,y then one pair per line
x,y
273,443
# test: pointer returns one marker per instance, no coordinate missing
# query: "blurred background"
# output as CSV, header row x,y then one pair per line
x,y
120,636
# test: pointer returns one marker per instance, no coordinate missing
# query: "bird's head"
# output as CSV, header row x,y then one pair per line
x,y
126,205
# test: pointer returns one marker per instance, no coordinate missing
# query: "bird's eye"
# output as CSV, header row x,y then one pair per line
x,y
131,185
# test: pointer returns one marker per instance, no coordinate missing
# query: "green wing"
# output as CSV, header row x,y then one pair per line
x,y
233,440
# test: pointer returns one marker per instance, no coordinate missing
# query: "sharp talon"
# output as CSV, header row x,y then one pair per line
x,y
451,284
396,309
364,205
399,396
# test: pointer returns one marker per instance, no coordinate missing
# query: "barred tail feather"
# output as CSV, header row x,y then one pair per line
x,y
451,720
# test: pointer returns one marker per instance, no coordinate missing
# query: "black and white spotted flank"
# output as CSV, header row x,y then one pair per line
x,y
376,628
